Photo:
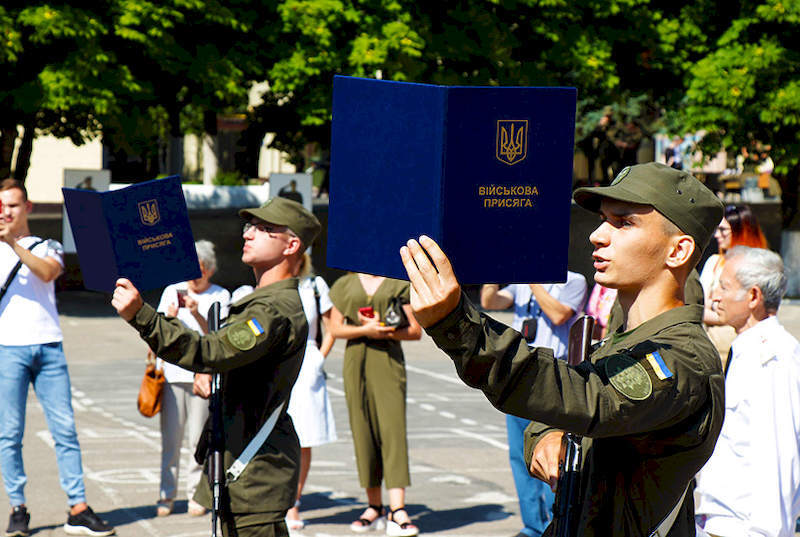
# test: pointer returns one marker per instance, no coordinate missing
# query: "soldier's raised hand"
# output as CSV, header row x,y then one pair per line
x,y
435,292
126,299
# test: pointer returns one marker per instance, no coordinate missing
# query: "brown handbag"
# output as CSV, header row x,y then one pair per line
x,y
149,401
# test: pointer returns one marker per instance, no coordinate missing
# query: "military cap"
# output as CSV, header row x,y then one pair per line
x,y
285,212
676,194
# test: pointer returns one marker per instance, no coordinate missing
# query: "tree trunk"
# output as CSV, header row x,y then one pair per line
x,y
208,143
790,196
8,135
25,149
175,143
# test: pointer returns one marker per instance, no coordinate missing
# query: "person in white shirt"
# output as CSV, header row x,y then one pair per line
x,y
310,406
751,482
184,404
32,354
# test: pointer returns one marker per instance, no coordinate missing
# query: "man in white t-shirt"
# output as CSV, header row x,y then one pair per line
x,y
31,353
552,308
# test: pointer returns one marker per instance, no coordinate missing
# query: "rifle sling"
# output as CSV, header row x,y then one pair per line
x,y
255,444
663,529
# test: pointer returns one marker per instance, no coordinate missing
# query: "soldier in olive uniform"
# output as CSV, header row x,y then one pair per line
x,y
649,401
258,351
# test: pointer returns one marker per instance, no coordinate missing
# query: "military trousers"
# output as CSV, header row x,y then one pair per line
x,y
255,528
375,390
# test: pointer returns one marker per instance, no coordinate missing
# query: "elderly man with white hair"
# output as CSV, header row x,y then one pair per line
x,y
750,484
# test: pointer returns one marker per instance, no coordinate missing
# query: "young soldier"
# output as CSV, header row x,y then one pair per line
x,y
649,401
258,352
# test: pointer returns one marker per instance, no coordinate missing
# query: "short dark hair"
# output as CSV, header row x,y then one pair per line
x,y
8,184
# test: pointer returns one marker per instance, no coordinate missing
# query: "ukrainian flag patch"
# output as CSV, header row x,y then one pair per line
x,y
658,365
255,327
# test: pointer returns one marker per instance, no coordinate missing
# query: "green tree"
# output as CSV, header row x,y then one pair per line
x,y
746,89
57,79
121,66
629,54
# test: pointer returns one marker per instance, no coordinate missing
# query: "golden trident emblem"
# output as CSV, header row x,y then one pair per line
x,y
148,212
512,140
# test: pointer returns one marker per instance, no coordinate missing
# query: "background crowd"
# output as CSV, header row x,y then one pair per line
x,y
373,315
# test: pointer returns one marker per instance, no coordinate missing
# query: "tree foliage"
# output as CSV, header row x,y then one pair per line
x,y
747,88
629,54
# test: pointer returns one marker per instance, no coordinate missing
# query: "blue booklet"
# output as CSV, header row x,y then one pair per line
x,y
484,171
140,232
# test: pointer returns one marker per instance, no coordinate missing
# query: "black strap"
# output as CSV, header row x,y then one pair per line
x,y
728,361
16,268
319,313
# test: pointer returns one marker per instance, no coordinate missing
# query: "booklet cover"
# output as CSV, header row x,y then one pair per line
x,y
484,171
140,232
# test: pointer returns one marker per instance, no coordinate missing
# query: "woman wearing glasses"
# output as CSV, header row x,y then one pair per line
x,y
739,227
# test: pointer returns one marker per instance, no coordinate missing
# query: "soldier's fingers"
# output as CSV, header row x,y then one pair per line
x,y
414,276
441,260
125,283
426,269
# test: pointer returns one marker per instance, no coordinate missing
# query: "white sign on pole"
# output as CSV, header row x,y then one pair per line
x,y
294,186
88,180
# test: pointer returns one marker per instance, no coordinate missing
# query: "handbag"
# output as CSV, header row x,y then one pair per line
x,y
394,315
149,400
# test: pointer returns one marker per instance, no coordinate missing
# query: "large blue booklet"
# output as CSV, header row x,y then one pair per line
x,y
484,171
140,232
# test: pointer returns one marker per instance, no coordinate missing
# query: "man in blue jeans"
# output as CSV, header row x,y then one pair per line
x,y
31,353
550,310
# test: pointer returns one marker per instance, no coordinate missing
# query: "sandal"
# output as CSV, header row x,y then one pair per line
x,y
404,529
164,507
295,524
363,525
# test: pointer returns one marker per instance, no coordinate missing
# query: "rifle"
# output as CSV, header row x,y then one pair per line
x,y
216,474
565,509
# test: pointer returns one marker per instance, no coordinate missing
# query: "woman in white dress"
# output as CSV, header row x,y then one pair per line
x,y
184,404
309,404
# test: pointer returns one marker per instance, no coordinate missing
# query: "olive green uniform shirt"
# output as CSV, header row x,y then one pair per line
x,y
647,428
258,351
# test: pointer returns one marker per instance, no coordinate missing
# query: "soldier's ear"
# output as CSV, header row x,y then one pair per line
x,y
681,251
293,245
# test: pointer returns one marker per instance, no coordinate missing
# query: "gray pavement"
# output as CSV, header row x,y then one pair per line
x,y
461,483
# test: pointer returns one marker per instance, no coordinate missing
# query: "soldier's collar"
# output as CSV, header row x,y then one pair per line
x,y
692,313
288,283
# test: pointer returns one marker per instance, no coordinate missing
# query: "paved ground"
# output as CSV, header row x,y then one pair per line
x,y
462,485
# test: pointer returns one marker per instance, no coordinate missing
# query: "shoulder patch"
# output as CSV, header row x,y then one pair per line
x,y
241,336
628,377
659,367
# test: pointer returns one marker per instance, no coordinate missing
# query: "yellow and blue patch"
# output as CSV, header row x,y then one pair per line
x,y
255,327
659,367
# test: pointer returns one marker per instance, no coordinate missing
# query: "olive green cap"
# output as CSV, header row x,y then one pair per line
x,y
676,194
285,212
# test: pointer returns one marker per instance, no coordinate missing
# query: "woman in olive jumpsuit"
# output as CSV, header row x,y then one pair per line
x,y
375,389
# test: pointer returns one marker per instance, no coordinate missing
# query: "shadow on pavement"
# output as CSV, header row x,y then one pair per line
x,y
125,516
37,529
427,519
